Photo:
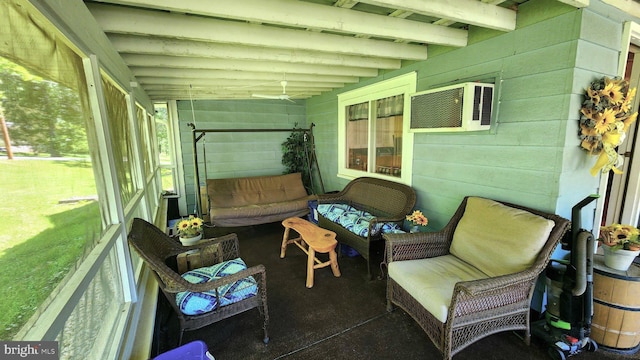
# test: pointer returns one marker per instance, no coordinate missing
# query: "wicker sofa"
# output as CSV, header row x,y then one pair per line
x,y
387,203
476,276
256,200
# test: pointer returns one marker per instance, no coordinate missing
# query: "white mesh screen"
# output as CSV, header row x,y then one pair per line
x,y
440,109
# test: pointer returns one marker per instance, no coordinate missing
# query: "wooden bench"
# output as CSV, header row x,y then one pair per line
x,y
311,239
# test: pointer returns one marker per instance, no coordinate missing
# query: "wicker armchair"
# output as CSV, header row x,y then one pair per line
x,y
388,201
159,252
470,309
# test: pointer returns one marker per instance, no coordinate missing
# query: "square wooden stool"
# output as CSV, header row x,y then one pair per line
x,y
311,239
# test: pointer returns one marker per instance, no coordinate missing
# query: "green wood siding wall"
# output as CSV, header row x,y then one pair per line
x,y
235,154
531,155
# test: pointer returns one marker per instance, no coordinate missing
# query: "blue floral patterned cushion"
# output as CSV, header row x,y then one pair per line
x,y
194,303
333,212
354,220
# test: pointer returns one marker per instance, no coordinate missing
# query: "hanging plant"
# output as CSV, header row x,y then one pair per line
x,y
605,119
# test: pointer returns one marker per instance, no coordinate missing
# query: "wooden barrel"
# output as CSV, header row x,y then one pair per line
x,y
616,307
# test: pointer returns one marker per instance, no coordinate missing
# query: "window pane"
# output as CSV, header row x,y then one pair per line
x,y
52,217
358,136
164,147
388,139
91,325
121,139
145,146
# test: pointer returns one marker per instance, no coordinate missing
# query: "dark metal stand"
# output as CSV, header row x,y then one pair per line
x,y
198,134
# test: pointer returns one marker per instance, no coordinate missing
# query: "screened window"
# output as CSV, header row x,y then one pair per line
x,y
50,225
373,130
165,148
63,273
122,143
144,128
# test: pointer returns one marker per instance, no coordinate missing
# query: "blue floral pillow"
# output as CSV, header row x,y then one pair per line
x,y
354,220
194,303
333,212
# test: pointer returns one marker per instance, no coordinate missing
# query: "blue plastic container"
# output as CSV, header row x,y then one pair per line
x,y
313,211
195,350
348,251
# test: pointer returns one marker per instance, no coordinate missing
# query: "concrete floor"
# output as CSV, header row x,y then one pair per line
x,y
339,318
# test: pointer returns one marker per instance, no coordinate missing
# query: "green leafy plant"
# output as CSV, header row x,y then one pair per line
x,y
295,156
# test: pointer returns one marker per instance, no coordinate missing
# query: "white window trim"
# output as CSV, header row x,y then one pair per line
x,y
403,84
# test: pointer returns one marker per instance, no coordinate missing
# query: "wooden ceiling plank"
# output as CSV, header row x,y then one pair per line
x,y
465,11
157,46
291,13
243,65
150,80
242,75
218,88
576,3
140,22
183,94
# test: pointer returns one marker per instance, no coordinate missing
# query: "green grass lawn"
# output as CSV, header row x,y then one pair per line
x,y
41,239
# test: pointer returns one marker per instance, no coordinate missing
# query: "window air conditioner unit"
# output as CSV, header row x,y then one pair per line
x,y
460,107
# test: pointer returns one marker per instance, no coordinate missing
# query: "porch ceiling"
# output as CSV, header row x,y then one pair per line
x,y
181,49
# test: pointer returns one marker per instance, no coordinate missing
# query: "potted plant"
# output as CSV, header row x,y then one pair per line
x,y
417,219
295,156
621,244
189,230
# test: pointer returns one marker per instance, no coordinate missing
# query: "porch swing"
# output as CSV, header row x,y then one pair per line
x,y
257,199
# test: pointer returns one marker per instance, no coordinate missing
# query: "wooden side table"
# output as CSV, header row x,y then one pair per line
x,y
311,239
194,259
616,307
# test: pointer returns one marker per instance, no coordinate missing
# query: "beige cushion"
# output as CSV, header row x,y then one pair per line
x,y
431,281
257,190
498,239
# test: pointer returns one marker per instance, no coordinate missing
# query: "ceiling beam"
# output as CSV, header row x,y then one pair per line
x,y
183,94
233,84
173,47
576,3
244,65
275,90
327,18
238,75
472,12
115,19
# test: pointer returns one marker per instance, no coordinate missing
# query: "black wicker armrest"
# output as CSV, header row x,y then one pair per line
x,y
333,198
410,246
228,243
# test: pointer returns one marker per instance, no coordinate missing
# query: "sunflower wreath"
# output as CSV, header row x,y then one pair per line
x,y
605,119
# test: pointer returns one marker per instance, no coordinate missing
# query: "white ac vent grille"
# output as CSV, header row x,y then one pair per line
x,y
462,107
442,109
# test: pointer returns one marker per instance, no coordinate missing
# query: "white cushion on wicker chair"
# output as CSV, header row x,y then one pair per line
x,y
431,281
498,239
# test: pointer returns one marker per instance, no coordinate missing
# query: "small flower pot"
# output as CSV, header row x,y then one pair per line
x,y
619,259
188,241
